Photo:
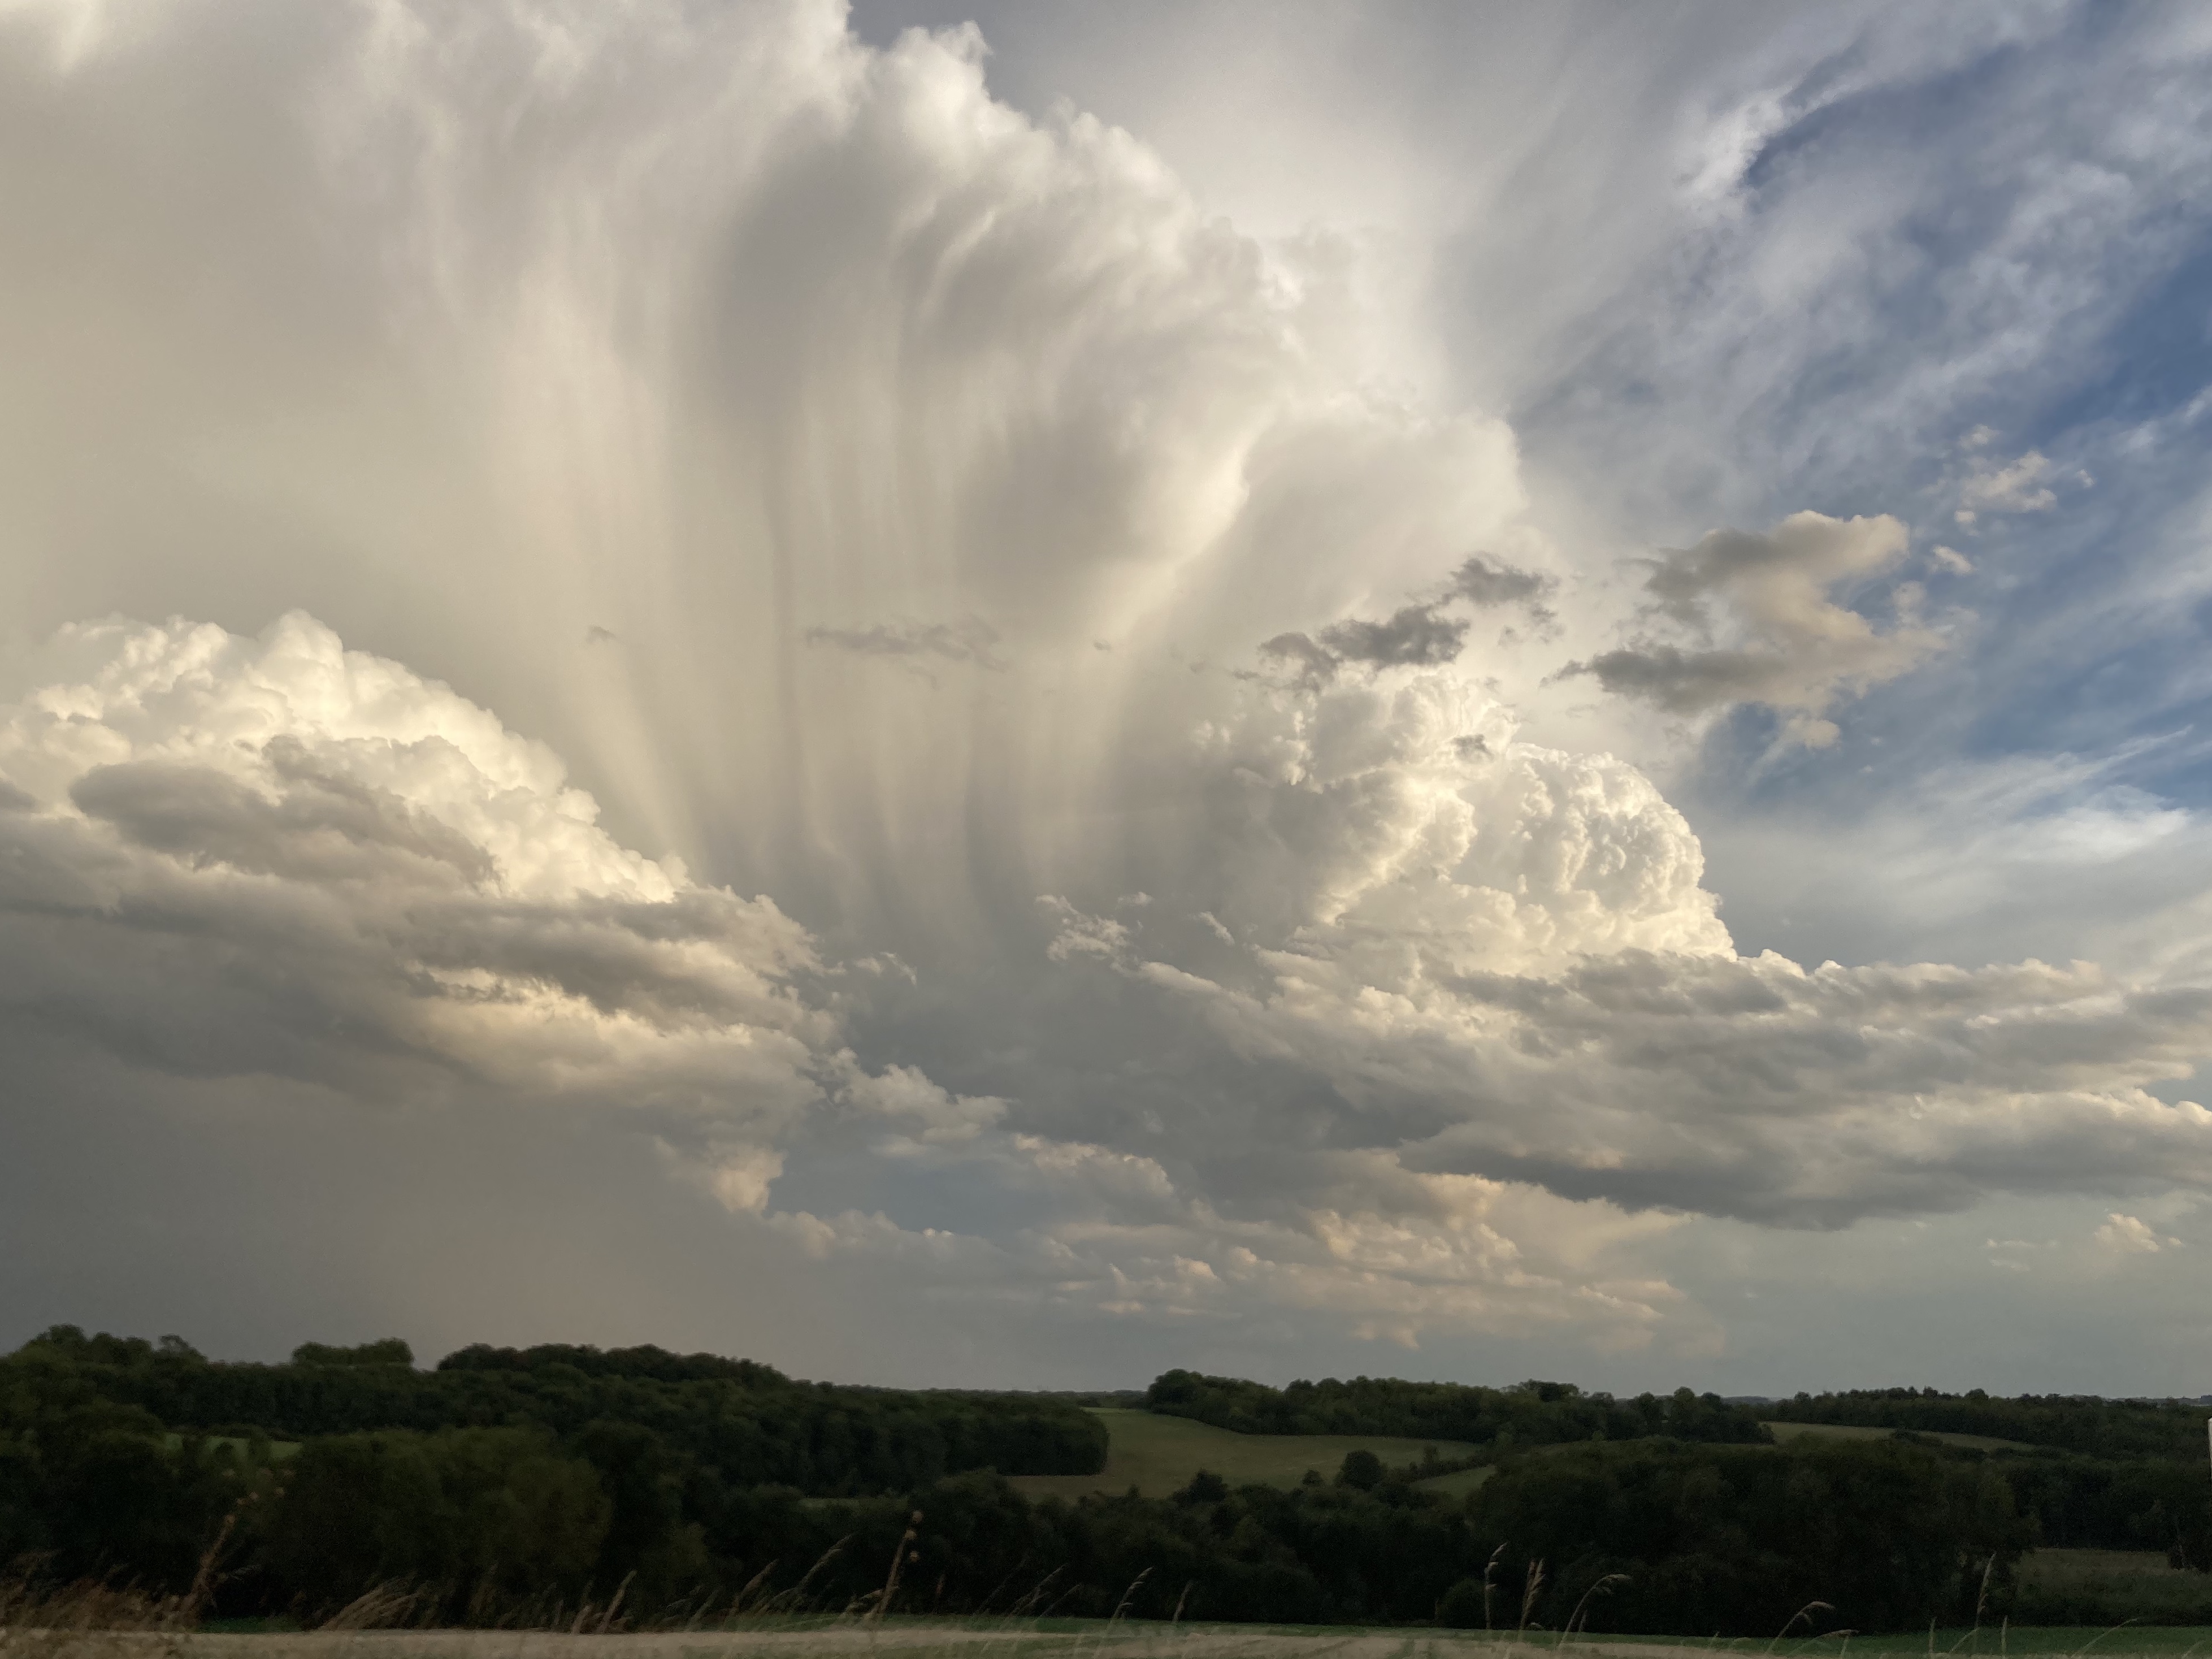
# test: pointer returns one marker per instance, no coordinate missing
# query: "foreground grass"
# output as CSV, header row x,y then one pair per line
x,y
1001,1638
1157,1455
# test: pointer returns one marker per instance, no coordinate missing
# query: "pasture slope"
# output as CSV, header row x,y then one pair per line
x,y
1157,1455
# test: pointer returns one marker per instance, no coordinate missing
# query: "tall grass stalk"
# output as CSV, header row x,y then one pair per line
x,y
900,1556
1603,1586
39,1620
1529,1595
2100,1636
1804,1612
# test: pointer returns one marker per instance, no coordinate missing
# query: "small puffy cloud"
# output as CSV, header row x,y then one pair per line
x,y
922,1109
1487,583
742,1178
1757,624
1415,635
2130,1236
2022,486
1081,935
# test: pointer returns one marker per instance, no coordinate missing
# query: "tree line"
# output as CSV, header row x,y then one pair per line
x,y
2084,1424
1529,1415
747,1422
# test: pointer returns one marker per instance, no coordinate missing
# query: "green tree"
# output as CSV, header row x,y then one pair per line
x,y
1361,1468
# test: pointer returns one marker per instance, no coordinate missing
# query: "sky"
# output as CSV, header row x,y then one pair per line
x,y
959,692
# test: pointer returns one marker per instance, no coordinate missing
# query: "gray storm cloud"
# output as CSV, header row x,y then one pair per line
x,y
1415,634
771,364
1763,626
972,641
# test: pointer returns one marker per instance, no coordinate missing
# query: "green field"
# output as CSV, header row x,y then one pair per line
x,y
1787,1432
2105,1587
1158,1455
278,1450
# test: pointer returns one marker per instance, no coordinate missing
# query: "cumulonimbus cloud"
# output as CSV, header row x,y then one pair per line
x,y
716,339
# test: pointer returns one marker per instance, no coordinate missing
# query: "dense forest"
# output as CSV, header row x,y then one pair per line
x,y
748,1424
519,1486
2075,1422
1532,1415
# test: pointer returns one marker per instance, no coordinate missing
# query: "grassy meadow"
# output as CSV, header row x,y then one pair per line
x,y
2106,1587
1158,1455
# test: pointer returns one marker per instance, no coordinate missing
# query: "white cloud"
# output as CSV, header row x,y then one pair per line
x,y
1502,962
934,1116
1399,807
742,1179
234,857
2130,1235
2020,486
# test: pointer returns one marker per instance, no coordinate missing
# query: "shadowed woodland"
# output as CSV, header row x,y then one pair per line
x,y
565,1487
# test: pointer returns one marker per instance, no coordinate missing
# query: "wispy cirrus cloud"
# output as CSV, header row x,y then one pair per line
x,y
971,641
